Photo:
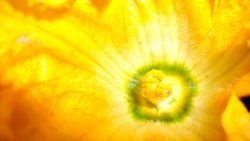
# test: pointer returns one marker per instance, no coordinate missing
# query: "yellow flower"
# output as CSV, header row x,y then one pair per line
x,y
123,70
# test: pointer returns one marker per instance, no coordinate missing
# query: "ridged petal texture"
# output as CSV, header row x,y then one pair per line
x,y
65,65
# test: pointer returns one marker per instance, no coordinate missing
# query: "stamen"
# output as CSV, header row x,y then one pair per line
x,y
154,87
162,93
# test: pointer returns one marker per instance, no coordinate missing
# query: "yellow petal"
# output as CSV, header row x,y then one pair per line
x,y
236,121
242,87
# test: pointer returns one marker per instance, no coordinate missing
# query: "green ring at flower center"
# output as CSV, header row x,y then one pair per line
x,y
161,92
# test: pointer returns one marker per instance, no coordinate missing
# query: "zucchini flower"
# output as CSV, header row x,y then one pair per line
x,y
118,70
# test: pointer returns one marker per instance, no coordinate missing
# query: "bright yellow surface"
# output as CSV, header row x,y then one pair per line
x,y
65,64
242,87
236,121
236,118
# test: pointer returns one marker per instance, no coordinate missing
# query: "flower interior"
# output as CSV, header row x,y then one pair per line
x,y
162,92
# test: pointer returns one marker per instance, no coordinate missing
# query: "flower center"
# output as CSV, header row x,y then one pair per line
x,y
155,87
162,93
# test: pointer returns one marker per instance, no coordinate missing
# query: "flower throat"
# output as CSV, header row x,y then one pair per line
x,y
161,93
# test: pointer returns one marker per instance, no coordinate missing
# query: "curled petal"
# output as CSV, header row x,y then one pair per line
x,y
236,120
